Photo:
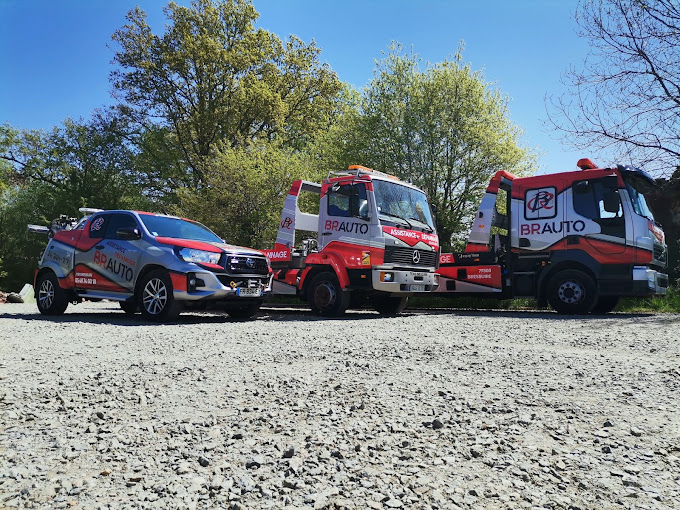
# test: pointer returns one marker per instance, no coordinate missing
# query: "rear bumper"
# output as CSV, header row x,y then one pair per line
x,y
648,282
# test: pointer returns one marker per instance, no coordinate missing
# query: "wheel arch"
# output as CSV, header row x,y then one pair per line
x,y
146,270
309,274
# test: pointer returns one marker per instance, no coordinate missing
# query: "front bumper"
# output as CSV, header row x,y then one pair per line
x,y
404,281
648,282
221,287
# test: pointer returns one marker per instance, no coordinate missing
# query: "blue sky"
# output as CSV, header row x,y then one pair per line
x,y
56,56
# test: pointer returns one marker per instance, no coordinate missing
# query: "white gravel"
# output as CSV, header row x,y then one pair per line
x,y
426,410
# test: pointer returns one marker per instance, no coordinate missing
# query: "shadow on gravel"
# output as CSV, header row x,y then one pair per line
x,y
116,317
534,314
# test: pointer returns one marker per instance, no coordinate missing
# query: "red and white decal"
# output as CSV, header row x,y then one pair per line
x,y
411,237
278,254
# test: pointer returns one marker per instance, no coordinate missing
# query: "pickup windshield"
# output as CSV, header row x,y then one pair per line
x,y
637,187
167,226
396,202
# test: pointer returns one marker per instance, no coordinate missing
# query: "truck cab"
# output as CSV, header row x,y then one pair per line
x,y
372,239
577,240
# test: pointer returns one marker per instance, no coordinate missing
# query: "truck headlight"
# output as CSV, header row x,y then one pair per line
x,y
199,256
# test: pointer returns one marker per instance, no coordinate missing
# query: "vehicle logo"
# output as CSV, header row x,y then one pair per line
x,y
416,256
97,224
541,203
286,223
250,263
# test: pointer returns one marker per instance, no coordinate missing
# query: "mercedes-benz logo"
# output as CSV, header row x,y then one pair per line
x,y
250,262
416,256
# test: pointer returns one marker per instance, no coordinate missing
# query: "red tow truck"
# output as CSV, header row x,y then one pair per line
x,y
577,240
371,239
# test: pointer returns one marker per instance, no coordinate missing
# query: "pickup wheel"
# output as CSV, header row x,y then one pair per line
x,y
572,292
605,304
155,298
246,311
389,305
52,299
326,297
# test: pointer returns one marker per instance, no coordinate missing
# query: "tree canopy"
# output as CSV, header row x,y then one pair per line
x,y
215,81
443,127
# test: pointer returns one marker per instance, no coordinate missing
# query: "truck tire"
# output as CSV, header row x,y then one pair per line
x,y
155,298
389,305
246,311
572,292
52,299
605,304
326,297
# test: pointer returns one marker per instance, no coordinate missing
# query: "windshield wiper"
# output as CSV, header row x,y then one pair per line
x,y
408,223
427,228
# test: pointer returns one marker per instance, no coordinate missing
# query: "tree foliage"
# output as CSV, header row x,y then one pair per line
x,y
444,128
46,174
214,81
625,98
244,192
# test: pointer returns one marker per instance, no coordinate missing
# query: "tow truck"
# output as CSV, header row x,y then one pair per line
x,y
152,263
371,240
577,240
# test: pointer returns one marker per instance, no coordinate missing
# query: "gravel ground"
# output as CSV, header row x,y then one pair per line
x,y
426,410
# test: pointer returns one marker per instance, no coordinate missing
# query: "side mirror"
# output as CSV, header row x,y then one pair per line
x,y
128,233
611,201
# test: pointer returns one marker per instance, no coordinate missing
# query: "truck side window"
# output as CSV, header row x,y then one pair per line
x,y
117,221
98,226
347,200
599,201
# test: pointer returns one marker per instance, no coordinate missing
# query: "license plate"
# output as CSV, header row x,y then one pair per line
x,y
248,292
417,288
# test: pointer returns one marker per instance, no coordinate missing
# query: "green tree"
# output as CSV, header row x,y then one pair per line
x,y
88,163
444,128
245,190
45,174
213,80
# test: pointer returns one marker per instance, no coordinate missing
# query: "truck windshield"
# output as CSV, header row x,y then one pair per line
x,y
637,187
396,201
166,226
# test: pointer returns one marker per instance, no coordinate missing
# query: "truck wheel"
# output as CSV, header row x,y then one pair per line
x,y
155,298
605,304
572,292
52,299
389,305
245,311
326,297
129,307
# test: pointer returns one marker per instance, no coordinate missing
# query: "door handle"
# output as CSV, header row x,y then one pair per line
x,y
99,246
326,233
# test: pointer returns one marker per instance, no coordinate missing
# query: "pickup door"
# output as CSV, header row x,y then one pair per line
x,y
104,261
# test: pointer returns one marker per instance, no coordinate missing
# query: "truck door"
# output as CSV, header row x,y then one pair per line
x,y
107,260
598,200
344,221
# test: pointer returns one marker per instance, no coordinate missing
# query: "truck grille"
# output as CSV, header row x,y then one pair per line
x,y
395,255
246,264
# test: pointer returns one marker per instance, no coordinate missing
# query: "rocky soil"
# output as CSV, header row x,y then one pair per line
x,y
427,410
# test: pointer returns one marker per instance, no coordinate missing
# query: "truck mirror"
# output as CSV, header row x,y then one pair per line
x,y
611,201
